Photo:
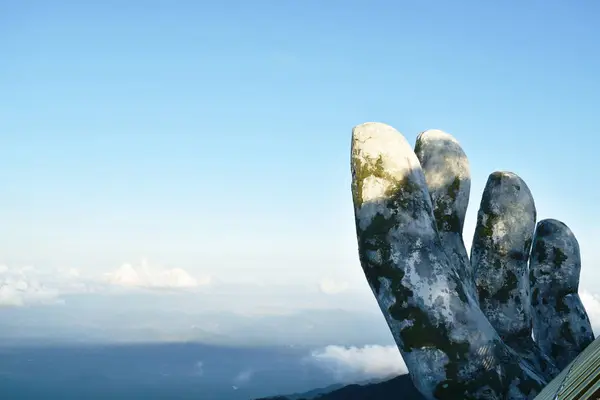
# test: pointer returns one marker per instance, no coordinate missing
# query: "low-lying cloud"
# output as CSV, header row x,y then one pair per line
x,y
243,377
22,287
199,368
375,362
330,286
144,276
29,286
360,363
591,302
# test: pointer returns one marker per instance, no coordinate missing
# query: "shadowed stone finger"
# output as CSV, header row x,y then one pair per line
x,y
448,178
499,256
450,349
561,326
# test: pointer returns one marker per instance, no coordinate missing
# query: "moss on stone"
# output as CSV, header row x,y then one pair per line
x,y
446,218
454,188
486,230
418,146
561,306
460,290
362,169
565,333
374,238
535,297
555,350
446,222
489,380
532,278
559,257
483,294
495,178
509,286
540,251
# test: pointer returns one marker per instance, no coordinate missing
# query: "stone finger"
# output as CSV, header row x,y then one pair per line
x,y
448,178
499,255
561,325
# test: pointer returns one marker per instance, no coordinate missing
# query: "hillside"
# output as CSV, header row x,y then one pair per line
x,y
400,387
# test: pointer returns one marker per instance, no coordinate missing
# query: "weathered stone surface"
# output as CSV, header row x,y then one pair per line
x,y
500,255
450,348
448,178
560,324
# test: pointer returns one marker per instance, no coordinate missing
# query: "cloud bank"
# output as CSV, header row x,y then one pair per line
x,y
243,377
377,362
591,302
28,286
146,277
360,363
199,368
22,287
330,286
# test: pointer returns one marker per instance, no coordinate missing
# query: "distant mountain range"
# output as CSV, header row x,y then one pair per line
x,y
310,328
400,387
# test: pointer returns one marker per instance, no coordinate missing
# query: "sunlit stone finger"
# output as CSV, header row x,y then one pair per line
x,y
448,178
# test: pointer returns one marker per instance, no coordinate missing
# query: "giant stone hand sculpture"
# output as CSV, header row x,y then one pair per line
x,y
464,326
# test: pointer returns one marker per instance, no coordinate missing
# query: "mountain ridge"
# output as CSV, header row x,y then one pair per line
x,y
378,390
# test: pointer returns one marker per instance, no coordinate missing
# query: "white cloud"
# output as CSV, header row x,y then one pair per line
x,y
330,286
199,368
24,286
70,272
21,287
144,276
591,302
359,363
243,377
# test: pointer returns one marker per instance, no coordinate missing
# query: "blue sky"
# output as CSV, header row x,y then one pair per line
x,y
214,136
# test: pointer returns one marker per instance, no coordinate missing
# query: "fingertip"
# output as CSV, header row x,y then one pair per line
x,y
435,134
549,227
381,160
507,194
556,256
447,173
